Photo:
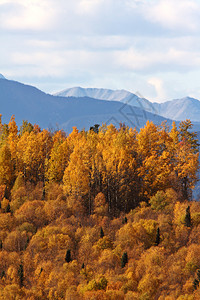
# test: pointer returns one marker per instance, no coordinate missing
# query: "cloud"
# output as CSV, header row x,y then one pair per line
x,y
138,60
25,15
182,15
157,83
89,6
128,44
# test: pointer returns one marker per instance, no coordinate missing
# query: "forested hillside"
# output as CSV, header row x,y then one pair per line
x,y
99,214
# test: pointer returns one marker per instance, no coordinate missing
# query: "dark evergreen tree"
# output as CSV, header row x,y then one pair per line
x,y
198,275
41,270
83,266
27,242
21,275
101,233
157,242
8,208
188,221
95,128
6,193
1,245
195,284
3,274
43,194
124,221
124,259
68,256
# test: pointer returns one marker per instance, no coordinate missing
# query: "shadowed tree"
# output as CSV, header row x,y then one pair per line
x,y
124,259
68,256
101,233
198,274
195,284
8,208
188,221
157,242
95,128
21,275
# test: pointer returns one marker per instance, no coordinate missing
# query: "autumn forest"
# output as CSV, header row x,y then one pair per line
x,y
100,214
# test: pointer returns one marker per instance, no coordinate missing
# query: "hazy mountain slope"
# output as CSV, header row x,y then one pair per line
x,y
1,76
29,103
180,109
110,95
102,94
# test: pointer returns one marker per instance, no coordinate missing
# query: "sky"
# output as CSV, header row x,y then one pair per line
x,y
150,47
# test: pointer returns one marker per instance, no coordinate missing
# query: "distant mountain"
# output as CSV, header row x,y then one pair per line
x,y
1,76
180,109
101,94
109,95
28,103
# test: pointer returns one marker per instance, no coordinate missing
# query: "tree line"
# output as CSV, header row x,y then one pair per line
x,y
127,166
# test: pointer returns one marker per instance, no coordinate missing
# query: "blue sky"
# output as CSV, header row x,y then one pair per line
x,y
146,46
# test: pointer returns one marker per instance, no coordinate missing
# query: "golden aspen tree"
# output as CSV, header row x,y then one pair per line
x,y
6,166
186,168
187,159
33,149
156,167
58,160
76,175
13,138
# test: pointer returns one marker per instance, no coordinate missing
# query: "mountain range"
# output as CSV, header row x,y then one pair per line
x,y
84,107
178,109
48,111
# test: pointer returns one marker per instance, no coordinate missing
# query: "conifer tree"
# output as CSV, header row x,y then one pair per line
x,y
101,233
195,284
198,275
157,242
8,208
68,256
27,242
124,259
3,274
188,221
41,270
21,275
124,221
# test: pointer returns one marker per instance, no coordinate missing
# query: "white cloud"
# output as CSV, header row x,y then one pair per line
x,y
179,14
157,83
158,59
134,44
89,6
25,15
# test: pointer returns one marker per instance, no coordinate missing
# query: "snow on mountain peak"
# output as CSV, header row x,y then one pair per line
x,y
96,93
109,95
